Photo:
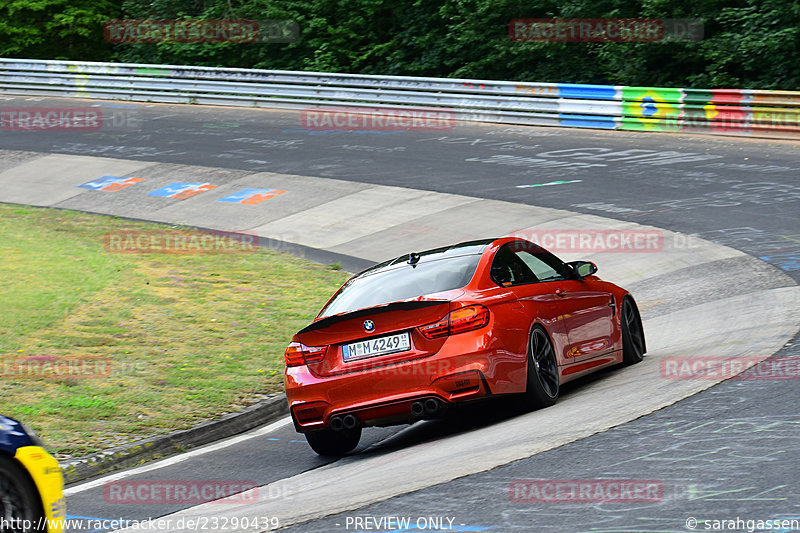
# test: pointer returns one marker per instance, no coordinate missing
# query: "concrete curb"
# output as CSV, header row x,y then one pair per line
x,y
175,442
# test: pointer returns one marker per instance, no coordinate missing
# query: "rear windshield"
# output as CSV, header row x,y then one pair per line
x,y
402,282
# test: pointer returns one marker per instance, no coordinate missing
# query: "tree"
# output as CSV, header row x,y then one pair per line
x,y
746,43
56,29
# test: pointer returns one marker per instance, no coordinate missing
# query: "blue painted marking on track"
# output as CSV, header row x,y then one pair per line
x,y
783,262
177,188
172,189
101,183
244,194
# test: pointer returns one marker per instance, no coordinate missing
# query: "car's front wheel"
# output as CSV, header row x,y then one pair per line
x,y
333,443
542,387
19,499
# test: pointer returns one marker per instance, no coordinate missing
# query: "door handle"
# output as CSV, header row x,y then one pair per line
x,y
560,292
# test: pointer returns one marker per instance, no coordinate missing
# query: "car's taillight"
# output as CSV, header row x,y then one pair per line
x,y
297,354
457,321
437,329
468,318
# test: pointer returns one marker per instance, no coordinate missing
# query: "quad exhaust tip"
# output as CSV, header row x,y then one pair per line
x,y
432,406
427,407
350,421
339,423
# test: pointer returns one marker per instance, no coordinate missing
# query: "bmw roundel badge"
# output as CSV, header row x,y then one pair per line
x,y
369,325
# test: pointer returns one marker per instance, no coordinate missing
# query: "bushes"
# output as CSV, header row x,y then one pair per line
x,y
747,43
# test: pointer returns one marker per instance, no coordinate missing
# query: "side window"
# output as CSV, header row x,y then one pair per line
x,y
542,270
509,269
518,263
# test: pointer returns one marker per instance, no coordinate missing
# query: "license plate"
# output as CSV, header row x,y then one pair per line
x,y
377,346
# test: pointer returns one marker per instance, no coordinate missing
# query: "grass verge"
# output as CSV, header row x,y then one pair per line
x,y
101,348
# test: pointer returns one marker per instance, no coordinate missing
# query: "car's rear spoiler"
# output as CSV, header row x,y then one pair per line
x,y
395,306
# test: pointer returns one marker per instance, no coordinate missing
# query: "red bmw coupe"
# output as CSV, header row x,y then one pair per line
x,y
408,338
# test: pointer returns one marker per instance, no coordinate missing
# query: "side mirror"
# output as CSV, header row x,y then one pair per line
x,y
583,269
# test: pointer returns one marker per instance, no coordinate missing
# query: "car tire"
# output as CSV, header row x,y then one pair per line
x,y
19,499
542,382
331,443
633,344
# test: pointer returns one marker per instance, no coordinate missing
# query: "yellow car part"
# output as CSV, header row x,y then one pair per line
x,y
49,481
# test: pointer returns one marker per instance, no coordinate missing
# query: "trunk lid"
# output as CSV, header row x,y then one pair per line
x,y
397,318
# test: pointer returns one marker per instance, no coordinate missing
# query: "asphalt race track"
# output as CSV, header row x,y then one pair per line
x,y
726,452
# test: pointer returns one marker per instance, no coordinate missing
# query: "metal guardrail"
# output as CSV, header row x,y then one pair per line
x,y
725,111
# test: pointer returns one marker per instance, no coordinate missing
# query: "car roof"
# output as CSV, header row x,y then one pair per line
x,y
475,247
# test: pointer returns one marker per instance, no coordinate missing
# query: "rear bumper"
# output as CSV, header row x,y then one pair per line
x,y
384,395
